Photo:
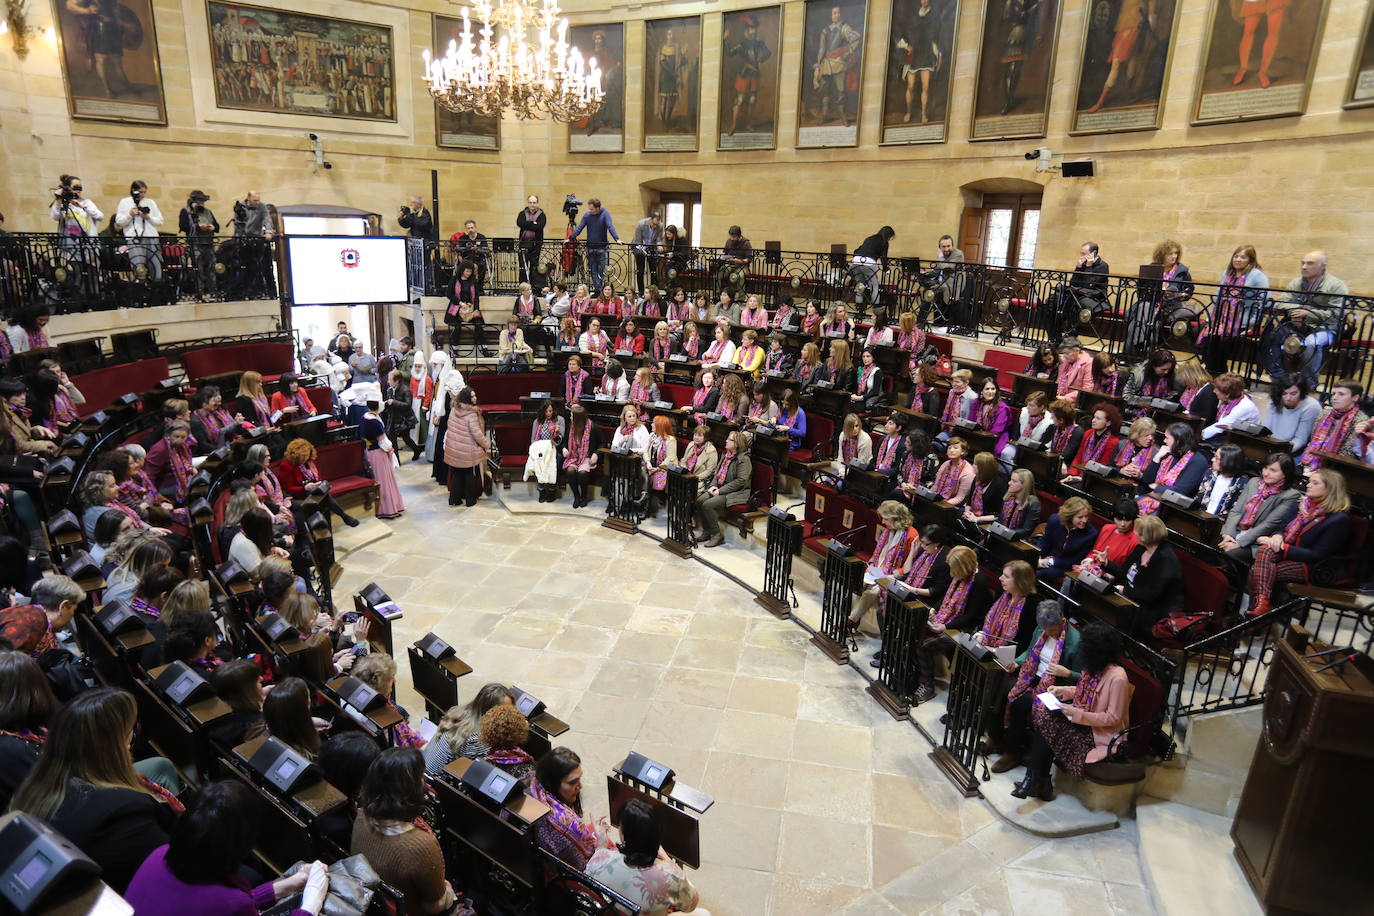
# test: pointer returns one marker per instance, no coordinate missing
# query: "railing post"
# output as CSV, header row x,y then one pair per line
x,y
624,470
682,494
843,575
784,540
970,686
904,627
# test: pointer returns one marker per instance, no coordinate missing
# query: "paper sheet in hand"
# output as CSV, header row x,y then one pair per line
x,y
1049,701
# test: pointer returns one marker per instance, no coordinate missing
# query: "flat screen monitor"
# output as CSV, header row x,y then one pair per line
x,y
344,270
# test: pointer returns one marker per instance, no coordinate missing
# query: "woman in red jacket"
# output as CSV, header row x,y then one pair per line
x,y
1098,443
465,449
290,401
299,478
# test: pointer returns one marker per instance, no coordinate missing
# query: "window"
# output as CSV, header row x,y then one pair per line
x,y
1011,230
683,210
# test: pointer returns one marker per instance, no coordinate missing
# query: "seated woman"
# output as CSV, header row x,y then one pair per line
x,y
300,478
1044,362
26,705
548,427
778,362
785,313
734,403
557,783
1098,444
928,573
643,390
1020,509
750,356
989,489
631,434
211,424
661,347
960,403
85,786
378,671
753,315
893,550
919,466
690,345
109,525
608,303
1093,711
192,638
54,398
574,381
891,450
869,394
1067,539
854,444
838,370
1223,482
1180,469
639,871
289,401
1266,505
579,455
1035,423
128,463
1293,411
992,414
239,684
812,319
513,352
954,480
567,338
961,608
100,494
1138,449
1199,395
629,339
837,325
721,352
1115,541
1151,575
253,541
705,394
581,303
21,435
459,733
504,731
1005,623
661,452
253,405
792,418
169,464
466,305
1065,433
700,456
1106,378
613,383
1234,407
198,869
881,333
910,337
286,713
1050,660
650,304
1321,529
594,343
142,552
391,832
809,368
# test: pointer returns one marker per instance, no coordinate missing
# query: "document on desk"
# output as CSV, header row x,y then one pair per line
x,y
1049,701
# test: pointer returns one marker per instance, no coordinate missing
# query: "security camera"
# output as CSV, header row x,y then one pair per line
x,y
1032,155
318,150
317,136
328,165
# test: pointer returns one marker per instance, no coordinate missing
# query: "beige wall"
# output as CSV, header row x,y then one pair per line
x,y
1285,185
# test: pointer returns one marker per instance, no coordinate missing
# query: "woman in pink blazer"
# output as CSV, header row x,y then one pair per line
x,y
1093,711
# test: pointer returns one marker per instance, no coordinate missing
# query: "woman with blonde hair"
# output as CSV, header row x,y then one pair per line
x,y
853,444
1199,396
252,402
643,390
1320,530
839,368
809,368
962,608
459,733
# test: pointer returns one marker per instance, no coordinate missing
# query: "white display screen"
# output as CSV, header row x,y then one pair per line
x,y
340,270
286,768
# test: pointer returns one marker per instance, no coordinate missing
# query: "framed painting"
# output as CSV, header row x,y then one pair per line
x,y
1361,92
672,84
1257,62
919,71
1124,70
300,64
1011,93
604,131
110,59
829,102
460,129
747,111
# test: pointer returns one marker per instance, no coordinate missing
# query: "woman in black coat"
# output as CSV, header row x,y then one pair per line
x,y
1151,574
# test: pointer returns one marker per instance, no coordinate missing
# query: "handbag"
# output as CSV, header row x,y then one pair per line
x,y
466,310
352,885
1180,627
944,367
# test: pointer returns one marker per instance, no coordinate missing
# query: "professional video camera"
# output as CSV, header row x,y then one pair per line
x,y
65,195
570,205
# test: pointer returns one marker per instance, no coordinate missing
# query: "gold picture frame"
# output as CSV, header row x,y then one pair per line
x,y
895,132
768,23
1006,124
814,87
1156,61
119,101
1226,93
670,97
483,131
604,131
1359,92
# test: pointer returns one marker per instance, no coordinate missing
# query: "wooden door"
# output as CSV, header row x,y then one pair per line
x,y
971,228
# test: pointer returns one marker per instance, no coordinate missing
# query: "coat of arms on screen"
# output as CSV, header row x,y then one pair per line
x,y
349,257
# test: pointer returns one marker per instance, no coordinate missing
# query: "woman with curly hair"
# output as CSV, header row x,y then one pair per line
x,y
301,478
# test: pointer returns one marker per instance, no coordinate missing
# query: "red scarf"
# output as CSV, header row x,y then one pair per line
x,y
956,596
1138,455
999,629
976,499
1252,505
1332,430
1309,514
725,462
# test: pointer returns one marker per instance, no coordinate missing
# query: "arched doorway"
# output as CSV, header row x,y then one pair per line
x,y
678,200
1001,222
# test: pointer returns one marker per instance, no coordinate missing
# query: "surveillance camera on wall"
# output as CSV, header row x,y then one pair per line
x,y
320,161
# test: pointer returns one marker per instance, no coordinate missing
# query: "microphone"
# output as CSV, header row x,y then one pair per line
x,y
850,533
793,506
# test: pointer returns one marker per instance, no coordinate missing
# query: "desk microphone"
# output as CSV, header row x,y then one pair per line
x,y
794,506
850,533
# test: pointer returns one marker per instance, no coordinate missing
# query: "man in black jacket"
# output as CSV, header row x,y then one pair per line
x,y
530,223
419,224
869,260
1087,287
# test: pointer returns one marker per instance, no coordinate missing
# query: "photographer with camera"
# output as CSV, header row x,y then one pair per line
x,y
255,227
138,216
199,225
76,217
419,224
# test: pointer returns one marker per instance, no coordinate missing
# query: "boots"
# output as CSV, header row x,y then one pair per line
x,y
1035,785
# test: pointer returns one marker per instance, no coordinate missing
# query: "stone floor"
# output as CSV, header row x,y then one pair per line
x,y
824,804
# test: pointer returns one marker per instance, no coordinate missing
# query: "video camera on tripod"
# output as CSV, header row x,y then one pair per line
x,y
570,208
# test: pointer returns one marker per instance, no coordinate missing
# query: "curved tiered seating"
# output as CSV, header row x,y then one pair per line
x,y
272,358
100,386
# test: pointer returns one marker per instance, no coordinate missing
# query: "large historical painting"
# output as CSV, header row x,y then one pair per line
x,y
672,83
748,105
1361,92
920,71
831,72
454,129
293,63
109,54
603,132
1015,69
1125,65
1258,59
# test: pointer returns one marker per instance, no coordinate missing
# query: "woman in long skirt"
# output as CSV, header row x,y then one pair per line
x,y
380,453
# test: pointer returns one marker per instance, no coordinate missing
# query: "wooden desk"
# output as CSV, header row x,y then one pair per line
x,y
978,441
1086,400
916,419
1258,448
1001,551
832,402
680,372
681,831
1046,468
1110,607
382,717
202,711
1107,489
1022,386
316,799
1359,477
529,404
1163,418
1194,524
892,360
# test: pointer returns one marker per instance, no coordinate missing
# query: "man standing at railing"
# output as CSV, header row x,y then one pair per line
x,y
138,216
597,222
199,225
735,255
255,227
418,223
646,241
869,260
529,226
1314,302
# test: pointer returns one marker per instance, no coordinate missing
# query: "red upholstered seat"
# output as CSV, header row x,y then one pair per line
x,y
497,393
1005,362
680,395
1204,586
101,386
343,465
269,357
1147,703
943,345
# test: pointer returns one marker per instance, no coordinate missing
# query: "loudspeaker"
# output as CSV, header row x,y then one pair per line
x,y
360,696
528,704
652,773
434,647
282,766
35,859
491,784
183,685
117,617
277,628
1081,169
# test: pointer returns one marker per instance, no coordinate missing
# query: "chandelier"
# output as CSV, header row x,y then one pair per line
x,y
520,61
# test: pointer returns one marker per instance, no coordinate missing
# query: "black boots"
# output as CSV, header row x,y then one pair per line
x,y
1035,785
